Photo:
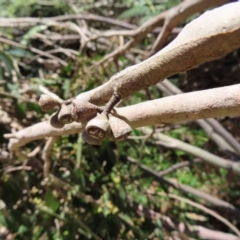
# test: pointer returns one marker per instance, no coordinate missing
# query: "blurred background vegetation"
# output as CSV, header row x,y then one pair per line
x,y
116,190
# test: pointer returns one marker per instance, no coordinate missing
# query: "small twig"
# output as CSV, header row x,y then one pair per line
x,y
177,166
31,21
49,93
20,168
173,143
46,155
56,221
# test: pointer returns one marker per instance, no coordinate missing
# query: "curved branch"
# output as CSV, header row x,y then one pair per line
x,y
31,21
195,45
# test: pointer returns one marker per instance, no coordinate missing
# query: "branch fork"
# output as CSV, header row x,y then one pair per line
x,y
99,123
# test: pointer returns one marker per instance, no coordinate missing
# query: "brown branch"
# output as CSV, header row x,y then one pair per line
x,y
217,102
178,14
127,33
178,166
31,21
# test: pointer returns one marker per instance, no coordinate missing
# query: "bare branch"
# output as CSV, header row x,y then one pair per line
x,y
31,21
217,102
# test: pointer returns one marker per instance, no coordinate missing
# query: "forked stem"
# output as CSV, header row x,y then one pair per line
x,y
112,103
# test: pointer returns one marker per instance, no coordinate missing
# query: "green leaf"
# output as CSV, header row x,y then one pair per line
x,y
122,193
3,220
19,52
92,178
66,87
51,201
7,60
135,11
22,229
32,32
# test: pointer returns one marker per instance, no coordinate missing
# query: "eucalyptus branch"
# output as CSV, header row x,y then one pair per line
x,y
211,103
46,155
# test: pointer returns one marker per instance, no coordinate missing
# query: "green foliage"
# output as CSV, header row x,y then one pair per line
x,y
21,8
146,9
